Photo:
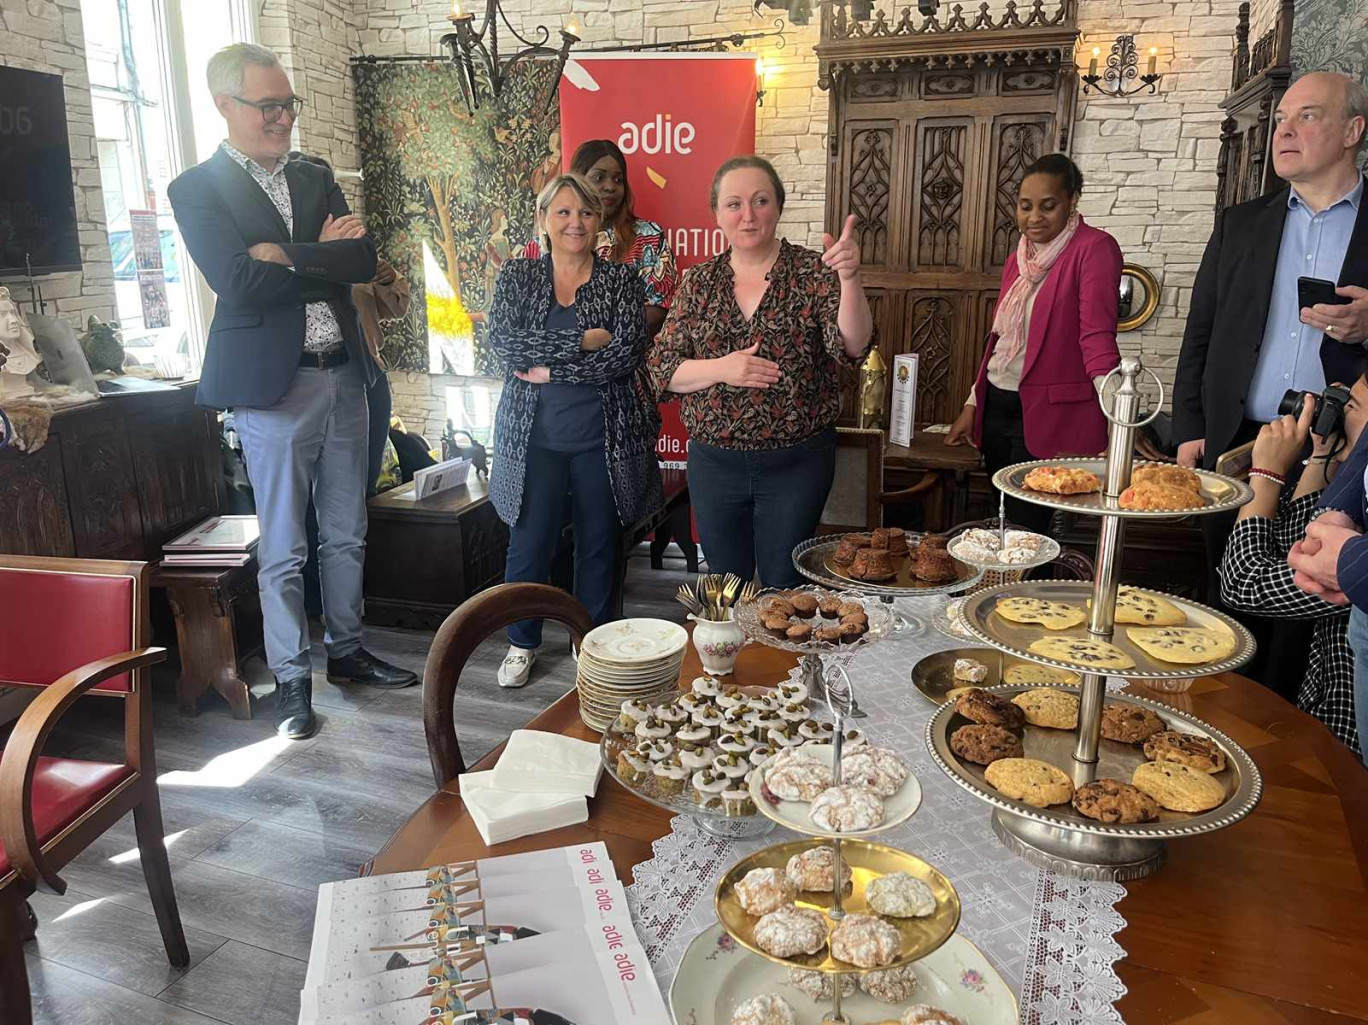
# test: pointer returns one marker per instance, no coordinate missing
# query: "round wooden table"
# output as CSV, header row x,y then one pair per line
x,y
1260,924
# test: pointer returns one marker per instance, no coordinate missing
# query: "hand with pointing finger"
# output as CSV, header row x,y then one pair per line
x,y
843,254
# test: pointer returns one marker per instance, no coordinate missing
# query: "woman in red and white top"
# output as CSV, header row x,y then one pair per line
x,y
624,238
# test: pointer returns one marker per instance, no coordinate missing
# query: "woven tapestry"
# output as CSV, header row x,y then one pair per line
x,y
450,195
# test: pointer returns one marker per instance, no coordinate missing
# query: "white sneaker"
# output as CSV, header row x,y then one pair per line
x,y
517,666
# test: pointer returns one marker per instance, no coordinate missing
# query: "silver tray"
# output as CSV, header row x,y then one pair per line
x,y
933,675
1115,760
613,740
1221,494
812,559
1014,638
748,618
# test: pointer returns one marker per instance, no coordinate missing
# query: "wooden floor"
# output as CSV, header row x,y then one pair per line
x,y
255,823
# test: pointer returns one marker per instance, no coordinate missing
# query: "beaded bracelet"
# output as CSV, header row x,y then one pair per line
x,y
1276,478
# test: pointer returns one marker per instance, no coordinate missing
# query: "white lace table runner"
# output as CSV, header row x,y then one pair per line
x,y
1051,938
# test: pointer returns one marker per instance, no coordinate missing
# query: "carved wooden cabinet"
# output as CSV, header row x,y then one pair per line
x,y
1260,75
933,123
117,478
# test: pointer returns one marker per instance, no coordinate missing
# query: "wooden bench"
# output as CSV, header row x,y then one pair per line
x,y
218,623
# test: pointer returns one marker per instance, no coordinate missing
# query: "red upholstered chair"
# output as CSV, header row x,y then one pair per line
x,y
72,627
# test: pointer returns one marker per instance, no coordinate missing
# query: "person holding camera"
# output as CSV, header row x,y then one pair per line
x,y
1255,575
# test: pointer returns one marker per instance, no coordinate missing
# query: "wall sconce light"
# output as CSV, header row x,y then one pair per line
x,y
759,81
1123,69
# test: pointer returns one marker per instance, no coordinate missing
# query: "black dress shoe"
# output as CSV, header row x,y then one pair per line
x,y
294,716
363,667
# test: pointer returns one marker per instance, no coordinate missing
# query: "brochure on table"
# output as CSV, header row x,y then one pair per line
x,y
544,936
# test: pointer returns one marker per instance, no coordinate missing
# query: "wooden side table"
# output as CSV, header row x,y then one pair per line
x,y
948,504
206,604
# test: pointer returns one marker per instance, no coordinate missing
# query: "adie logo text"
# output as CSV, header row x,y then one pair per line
x,y
662,135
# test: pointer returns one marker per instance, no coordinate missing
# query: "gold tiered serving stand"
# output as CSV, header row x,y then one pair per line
x,y
1058,838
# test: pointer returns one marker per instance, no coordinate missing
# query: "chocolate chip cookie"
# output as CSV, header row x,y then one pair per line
x,y
1185,749
1111,801
981,706
1129,724
984,744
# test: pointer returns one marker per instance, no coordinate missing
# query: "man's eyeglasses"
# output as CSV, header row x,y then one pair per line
x,y
272,110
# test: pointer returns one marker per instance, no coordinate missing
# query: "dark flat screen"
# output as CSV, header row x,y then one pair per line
x,y
37,206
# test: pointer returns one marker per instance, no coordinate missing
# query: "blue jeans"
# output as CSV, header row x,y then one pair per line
x,y
754,506
1358,640
310,443
533,539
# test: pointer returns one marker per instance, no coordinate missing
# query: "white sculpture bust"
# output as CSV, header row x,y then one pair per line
x,y
21,358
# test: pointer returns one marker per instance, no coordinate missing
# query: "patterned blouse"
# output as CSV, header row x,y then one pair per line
x,y
1255,577
612,298
650,255
796,327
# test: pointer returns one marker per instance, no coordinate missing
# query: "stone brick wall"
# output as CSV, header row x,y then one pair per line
x,y
41,35
315,40
1149,162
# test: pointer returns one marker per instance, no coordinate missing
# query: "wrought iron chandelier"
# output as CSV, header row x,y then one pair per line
x,y
479,66
1123,68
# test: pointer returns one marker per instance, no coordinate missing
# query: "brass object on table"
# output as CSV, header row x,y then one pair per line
x,y
867,861
873,390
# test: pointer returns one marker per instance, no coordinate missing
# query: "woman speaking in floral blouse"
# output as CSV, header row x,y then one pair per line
x,y
754,343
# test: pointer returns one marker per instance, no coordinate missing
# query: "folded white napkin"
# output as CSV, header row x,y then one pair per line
x,y
547,763
502,815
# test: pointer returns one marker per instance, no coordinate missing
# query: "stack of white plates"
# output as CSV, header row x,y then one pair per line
x,y
632,659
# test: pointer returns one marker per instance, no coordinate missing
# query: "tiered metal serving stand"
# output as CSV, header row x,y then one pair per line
x,y
866,858
1058,838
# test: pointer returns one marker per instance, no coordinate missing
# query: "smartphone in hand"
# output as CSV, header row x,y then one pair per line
x,y
1311,291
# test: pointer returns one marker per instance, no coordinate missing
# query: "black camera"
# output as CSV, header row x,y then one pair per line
x,y
1327,416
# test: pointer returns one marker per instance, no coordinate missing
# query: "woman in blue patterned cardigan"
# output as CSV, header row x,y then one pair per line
x,y
573,422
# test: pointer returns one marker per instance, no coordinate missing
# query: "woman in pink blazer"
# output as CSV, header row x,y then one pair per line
x,y
1053,337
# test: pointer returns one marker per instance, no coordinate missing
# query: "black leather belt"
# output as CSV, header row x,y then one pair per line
x,y
324,360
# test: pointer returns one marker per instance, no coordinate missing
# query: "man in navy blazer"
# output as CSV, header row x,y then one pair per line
x,y
276,242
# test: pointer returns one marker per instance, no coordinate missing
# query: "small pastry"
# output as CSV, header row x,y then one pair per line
x,y
852,739
873,565
829,605
766,1009
819,985
731,765
799,633
865,940
892,985
812,729
969,670
788,693
695,756
765,703
827,634
874,768
670,776
706,686
734,721
796,780
785,736
925,1014
897,542
655,750
730,697
693,734
633,712
673,713
709,785
804,605
691,703
734,743
900,895
846,809
736,800
849,608
814,870
765,720
653,728
709,717
776,625
852,632
763,890
795,712
790,931
760,754
631,766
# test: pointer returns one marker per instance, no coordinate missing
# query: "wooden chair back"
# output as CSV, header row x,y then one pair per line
x,y
458,637
853,503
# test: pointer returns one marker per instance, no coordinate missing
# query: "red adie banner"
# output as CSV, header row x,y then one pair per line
x,y
677,117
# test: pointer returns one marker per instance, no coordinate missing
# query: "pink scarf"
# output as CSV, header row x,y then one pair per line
x,y
1033,263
